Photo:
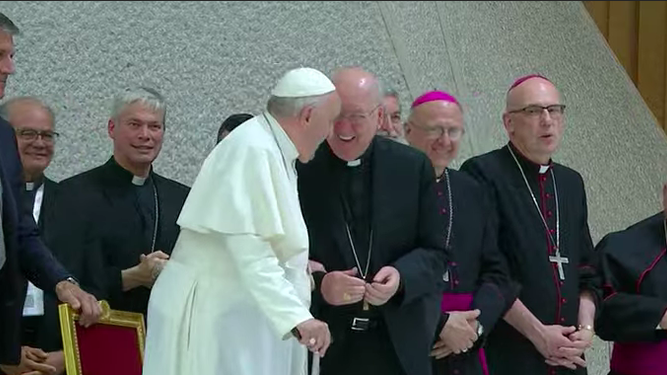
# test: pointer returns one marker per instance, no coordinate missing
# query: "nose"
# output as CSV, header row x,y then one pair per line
x,y
144,133
387,126
7,64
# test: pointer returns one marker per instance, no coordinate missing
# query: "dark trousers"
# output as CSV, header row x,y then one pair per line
x,y
361,353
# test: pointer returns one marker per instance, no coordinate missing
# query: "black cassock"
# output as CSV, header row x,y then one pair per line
x,y
530,251
110,218
389,203
43,331
635,271
477,276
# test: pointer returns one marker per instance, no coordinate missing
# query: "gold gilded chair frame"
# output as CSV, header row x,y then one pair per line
x,y
68,321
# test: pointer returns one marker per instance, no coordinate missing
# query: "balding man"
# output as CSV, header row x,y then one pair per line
x,y
379,236
543,232
478,289
33,122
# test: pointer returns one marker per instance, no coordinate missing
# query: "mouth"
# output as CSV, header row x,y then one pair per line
x,y
349,138
547,136
143,148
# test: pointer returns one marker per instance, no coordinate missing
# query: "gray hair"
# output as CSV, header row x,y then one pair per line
x,y
291,107
389,91
147,96
7,25
6,107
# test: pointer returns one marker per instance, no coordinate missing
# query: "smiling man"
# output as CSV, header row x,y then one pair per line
x,y
379,236
122,214
543,233
478,291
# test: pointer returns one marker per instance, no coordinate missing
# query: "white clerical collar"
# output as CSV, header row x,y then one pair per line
x,y
544,169
30,186
354,163
290,153
139,181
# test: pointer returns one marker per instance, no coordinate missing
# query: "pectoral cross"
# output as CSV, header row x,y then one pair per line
x,y
560,260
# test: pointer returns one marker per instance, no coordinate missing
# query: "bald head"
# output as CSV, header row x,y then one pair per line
x,y
361,112
357,82
528,91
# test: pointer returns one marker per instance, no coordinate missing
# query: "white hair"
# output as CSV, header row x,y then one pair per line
x,y
6,107
291,107
146,96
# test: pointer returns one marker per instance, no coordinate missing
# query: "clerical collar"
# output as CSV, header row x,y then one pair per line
x,y
33,185
139,181
528,165
122,175
363,158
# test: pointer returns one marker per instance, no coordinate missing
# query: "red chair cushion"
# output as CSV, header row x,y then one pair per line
x,y
108,350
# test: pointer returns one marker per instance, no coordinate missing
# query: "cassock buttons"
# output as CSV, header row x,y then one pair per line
x,y
562,320
552,231
563,300
456,282
548,213
456,371
443,211
548,195
440,193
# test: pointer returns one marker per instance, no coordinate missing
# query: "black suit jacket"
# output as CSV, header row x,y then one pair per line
x,y
407,235
27,257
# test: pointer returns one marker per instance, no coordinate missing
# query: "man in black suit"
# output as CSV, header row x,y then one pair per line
x,y
23,256
370,207
34,124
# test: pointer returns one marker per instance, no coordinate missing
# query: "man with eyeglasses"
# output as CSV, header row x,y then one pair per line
x,y
33,123
478,289
370,207
543,233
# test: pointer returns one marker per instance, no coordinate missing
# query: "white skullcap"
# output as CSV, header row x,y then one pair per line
x,y
302,82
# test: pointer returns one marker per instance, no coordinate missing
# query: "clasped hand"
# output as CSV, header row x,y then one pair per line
x,y
564,346
458,335
36,362
150,266
345,288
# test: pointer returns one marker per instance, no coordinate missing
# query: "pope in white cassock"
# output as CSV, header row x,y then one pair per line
x,y
235,296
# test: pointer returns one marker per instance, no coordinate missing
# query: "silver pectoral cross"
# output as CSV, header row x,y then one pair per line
x,y
560,260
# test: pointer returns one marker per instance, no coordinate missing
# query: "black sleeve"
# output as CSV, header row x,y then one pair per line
x,y
496,292
625,314
423,267
590,278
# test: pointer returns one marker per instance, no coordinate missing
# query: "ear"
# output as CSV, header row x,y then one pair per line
x,y
306,115
507,123
381,117
111,126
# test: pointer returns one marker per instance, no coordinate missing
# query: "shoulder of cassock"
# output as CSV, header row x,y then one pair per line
x,y
242,187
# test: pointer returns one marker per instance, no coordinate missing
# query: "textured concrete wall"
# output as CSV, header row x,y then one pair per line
x,y
212,59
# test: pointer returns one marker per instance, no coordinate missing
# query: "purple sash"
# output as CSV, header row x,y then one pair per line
x,y
640,358
462,302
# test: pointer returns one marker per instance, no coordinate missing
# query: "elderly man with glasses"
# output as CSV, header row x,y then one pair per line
x,y
543,233
478,291
370,207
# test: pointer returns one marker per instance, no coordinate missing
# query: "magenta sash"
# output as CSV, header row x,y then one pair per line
x,y
640,358
462,302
